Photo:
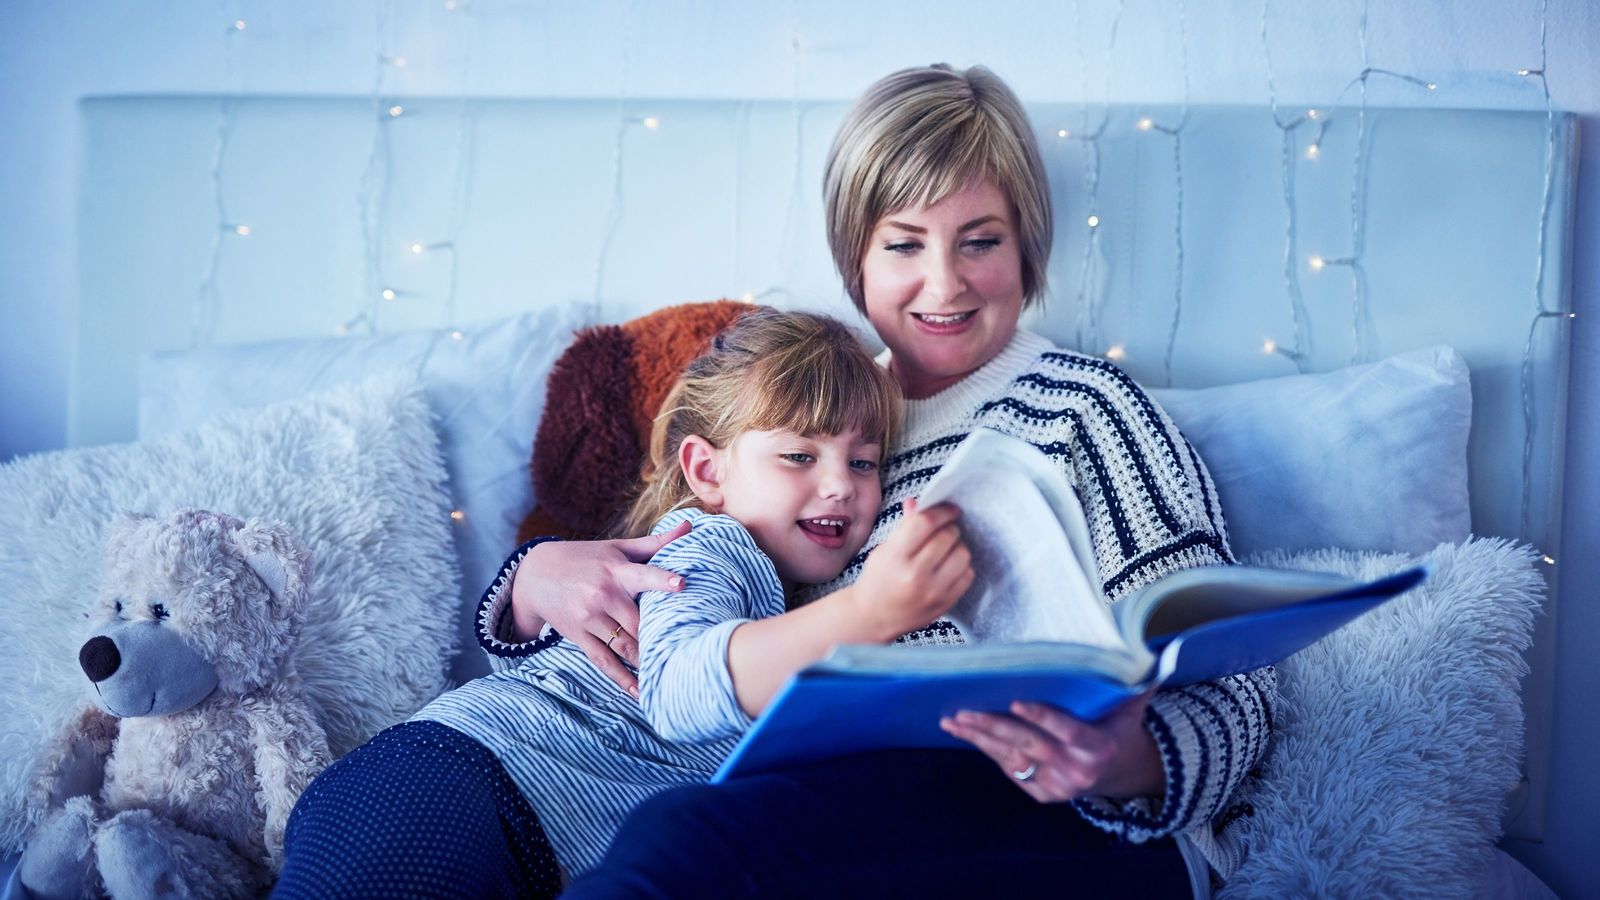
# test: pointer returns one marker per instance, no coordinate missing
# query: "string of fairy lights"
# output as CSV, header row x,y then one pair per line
x,y
373,195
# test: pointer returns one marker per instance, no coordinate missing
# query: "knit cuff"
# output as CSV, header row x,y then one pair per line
x,y
495,635
1139,819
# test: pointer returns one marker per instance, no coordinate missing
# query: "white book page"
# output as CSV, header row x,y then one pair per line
x,y
1030,585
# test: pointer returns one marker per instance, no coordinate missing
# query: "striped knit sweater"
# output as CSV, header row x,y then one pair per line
x,y
1152,510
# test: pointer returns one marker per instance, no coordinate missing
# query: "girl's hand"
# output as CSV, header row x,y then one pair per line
x,y
1064,758
585,590
916,574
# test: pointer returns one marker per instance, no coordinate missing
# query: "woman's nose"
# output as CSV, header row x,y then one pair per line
x,y
942,281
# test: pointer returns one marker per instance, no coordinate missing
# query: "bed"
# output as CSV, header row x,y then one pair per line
x,y
1306,291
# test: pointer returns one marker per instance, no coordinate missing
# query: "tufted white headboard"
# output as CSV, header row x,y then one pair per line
x,y
1219,232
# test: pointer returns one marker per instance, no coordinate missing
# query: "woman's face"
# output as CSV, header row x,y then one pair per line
x,y
943,286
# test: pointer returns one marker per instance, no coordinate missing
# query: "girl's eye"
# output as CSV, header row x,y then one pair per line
x,y
864,465
158,610
798,457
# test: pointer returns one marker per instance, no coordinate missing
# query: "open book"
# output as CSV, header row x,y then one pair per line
x,y
1040,625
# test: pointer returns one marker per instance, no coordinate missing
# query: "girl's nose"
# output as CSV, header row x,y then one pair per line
x,y
836,484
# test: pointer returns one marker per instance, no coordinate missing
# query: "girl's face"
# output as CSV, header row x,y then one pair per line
x,y
943,286
809,500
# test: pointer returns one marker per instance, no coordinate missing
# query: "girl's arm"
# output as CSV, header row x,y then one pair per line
x,y
918,573
713,655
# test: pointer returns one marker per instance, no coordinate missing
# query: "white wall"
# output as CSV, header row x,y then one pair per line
x,y
54,52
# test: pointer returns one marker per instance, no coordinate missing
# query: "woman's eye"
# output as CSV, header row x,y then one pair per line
x,y
902,247
981,245
158,610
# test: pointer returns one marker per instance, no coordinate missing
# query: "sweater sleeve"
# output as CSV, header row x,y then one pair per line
x,y
1156,512
685,686
494,616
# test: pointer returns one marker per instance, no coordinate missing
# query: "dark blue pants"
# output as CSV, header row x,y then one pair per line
x,y
913,823
421,810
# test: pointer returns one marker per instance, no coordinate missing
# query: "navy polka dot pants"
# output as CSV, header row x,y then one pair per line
x,y
421,810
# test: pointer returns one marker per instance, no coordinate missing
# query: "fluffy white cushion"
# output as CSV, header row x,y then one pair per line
x,y
1399,735
1370,457
486,389
356,473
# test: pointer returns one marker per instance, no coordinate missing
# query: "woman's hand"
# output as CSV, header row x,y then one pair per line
x,y
1063,758
585,590
916,574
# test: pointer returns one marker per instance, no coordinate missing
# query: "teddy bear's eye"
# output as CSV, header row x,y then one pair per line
x,y
158,610
119,607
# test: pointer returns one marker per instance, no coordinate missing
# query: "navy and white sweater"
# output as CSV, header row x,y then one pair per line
x,y
1152,510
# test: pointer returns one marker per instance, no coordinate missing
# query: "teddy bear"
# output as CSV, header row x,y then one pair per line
x,y
178,778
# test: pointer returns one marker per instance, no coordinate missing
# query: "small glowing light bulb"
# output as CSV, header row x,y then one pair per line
x,y
457,515
1312,151
1146,124
342,329
1313,115
1269,346
1572,315
396,111
1549,560
456,336
1316,263
1094,221
1432,86
1063,133
652,123
388,293
417,248
749,297
238,24
1524,72
1116,353
242,230
451,5
399,62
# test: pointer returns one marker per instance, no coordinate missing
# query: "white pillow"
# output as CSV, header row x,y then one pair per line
x,y
486,389
1397,737
356,473
1370,457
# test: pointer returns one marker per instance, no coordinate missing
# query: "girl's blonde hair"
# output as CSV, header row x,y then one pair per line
x,y
919,135
770,370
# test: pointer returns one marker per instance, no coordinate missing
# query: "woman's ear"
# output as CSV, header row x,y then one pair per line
x,y
701,463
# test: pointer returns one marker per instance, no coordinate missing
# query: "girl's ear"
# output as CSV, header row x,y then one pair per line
x,y
701,463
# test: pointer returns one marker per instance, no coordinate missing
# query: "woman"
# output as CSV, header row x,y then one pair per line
x,y
939,221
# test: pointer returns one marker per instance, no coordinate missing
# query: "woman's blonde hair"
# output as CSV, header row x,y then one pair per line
x,y
770,370
919,135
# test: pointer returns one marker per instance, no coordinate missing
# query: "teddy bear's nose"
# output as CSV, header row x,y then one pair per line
x,y
99,658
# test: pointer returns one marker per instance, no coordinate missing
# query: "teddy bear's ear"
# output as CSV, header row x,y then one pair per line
x,y
280,560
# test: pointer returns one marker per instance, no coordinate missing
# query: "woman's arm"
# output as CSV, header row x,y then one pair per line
x,y
1154,511
583,589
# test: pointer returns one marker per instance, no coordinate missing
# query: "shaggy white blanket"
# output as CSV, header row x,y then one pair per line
x,y
357,474
1398,736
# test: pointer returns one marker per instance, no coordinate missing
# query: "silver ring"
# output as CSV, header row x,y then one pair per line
x,y
1027,773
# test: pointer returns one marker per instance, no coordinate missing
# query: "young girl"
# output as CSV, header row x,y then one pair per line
x,y
770,445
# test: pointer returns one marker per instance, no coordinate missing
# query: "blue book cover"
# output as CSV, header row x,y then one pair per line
x,y
1041,627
